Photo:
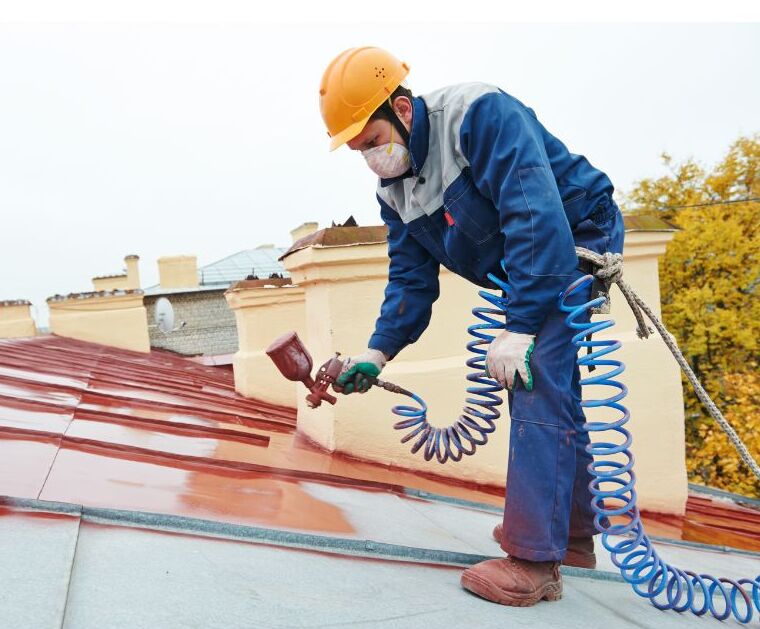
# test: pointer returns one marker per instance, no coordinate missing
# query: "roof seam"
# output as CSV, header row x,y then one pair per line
x,y
290,539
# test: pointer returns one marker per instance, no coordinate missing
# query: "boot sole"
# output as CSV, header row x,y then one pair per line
x,y
488,591
573,559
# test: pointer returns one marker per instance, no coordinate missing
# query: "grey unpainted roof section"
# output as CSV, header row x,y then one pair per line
x,y
96,567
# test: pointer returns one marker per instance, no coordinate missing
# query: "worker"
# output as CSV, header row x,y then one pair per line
x,y
471,180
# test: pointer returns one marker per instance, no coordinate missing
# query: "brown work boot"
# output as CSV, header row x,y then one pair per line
x,y
580,553
514,581
580,550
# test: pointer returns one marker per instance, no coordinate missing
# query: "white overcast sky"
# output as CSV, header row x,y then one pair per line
x,y
206,139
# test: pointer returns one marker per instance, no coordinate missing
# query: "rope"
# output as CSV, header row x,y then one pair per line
x,y
610,270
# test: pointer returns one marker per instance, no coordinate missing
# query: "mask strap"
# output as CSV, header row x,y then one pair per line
x,y
395,120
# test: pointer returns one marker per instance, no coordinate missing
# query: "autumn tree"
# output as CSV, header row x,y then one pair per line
x,y
709,282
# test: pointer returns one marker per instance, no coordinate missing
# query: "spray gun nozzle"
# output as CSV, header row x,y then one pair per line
x,y
293,360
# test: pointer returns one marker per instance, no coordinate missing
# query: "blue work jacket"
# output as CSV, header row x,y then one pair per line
x,y
487,182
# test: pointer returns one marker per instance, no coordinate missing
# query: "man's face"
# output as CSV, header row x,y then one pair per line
x,y
378,132
375,133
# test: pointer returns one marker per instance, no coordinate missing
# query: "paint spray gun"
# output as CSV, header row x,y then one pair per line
x,y
293,360
446,443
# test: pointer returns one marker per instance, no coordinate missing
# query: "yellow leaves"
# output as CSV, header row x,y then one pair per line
x,y
709,282
711,458
738,175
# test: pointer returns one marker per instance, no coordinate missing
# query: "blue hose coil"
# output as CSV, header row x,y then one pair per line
x,y
650,576
473,426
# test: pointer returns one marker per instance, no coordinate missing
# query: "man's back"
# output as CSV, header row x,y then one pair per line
x,y
455,119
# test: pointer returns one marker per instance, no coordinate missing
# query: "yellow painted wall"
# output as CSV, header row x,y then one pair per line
x,y
178,271
343,292
16,321
344,289
113,282
263,313
118,320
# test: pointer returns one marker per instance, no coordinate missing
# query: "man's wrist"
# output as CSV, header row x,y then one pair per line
x,y
388,345
377,356
520,327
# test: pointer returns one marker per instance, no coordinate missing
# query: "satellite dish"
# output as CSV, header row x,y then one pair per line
x,y
164,313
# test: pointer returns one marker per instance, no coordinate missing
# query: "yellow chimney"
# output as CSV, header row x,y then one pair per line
x,y
16,319
178,271
304,230
133,271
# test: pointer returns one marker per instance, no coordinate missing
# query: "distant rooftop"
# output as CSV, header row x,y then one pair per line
x,y
116,292
262,262
15,302
647,223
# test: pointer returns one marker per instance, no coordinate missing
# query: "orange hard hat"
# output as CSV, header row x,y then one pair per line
x,y
354,85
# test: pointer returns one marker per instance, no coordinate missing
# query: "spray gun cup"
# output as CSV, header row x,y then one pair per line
x,y
292,358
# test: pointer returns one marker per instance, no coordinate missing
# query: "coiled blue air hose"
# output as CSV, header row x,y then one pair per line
x,y
473,426
614,480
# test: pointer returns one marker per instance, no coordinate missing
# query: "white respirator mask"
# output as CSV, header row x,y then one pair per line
x,y
387,160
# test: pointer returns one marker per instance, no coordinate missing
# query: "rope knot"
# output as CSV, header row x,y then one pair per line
x,y
611,267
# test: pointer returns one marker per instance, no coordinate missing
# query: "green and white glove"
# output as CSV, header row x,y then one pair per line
x,y
509,355
357,370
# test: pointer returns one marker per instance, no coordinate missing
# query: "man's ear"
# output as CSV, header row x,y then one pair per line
x,y
403,108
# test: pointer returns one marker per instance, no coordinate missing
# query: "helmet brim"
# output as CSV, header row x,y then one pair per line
x,y
349,133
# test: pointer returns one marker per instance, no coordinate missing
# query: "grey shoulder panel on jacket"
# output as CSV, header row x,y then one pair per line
x,y
456,97
446,109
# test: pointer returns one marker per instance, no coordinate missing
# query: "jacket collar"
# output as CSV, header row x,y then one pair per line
x,y
418,142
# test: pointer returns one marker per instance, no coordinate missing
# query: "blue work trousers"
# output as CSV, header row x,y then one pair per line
x,y
547,497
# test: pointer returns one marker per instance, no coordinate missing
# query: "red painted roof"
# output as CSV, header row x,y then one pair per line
x,y
104,427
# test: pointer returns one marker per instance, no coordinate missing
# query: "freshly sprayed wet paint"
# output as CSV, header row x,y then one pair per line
x,y
103,427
